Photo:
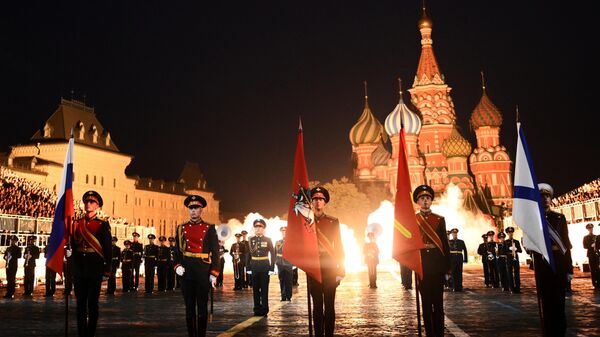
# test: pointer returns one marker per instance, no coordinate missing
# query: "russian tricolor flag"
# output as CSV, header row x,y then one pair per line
x,y
63,215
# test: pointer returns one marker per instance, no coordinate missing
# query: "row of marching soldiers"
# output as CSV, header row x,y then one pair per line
x,y
500,260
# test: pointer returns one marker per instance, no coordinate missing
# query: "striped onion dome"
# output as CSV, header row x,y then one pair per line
x,y
455,145
368,129
485,113
380,156
412,122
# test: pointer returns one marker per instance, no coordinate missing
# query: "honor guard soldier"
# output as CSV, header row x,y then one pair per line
x,y
589,243
492,259
514,269
260,267
284,268
458,256
245,252
482,251
116,261
222,252
333,270
138,250
127,267
164,258
502,261
551,285
435,258
11,256
91,244
68,272
32,253
171,276
197,261
238,265
50,278
150,255
371,252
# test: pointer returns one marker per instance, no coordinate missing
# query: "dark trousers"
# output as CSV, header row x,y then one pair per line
x,y
372,268
28,279
456,263
551,295
238,275
220,277
87,291
195,296
170,277
136,275
493,272
161,272
407,275
127,277
149,282
323,296
285,282
486,272
595,269
431,289
295,277
68,276
245,277
503,272
514,274
11,278
111,285
50,282
260,290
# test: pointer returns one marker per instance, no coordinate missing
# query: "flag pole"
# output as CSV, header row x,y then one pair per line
x,y
417,287
310,325
65,278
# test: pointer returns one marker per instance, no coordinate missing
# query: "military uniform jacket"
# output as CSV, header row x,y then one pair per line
x,y
138,250
371,252
34,251
482,250
150,254
588,240
197,250
245,249
434,260
258,258
491,248
236,252
11,256
92,248
559,224
331,248
172,252
503,250
280,261
164,255
509,243
116,257
458,247
127,257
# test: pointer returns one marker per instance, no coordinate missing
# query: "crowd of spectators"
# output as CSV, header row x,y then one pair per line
x,y
586,192
20,196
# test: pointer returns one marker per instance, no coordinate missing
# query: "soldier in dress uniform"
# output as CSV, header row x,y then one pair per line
x,y
589,243
116,260
92,254
333,270
406,275
458,256
197,261
551,285
173,280
11,256
502,261
514,269
238,265
492,259
435,258
371,252
50,278
68,272
261,265
284,268
164,257
222,252
127,267
138,250
150,256
245,252
482,251
32,253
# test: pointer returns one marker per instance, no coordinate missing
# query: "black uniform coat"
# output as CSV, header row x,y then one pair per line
x,y
261,246
92,265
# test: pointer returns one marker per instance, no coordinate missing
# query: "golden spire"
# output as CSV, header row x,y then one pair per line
x,y
425,22
366,95
483,81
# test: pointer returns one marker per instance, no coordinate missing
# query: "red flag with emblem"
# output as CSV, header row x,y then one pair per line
x,y
407,236
301,245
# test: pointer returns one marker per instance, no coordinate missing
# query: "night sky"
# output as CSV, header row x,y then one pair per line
x,y
224,84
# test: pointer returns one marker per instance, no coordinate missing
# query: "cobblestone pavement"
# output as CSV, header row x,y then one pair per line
x,y
386,311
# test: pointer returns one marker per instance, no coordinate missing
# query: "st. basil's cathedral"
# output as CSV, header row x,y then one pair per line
x,y
436,151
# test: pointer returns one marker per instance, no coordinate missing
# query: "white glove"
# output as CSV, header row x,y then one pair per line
x,y
68,252
339,279
569,277
513,248
213,280
104,278
271,273
249,272
180,270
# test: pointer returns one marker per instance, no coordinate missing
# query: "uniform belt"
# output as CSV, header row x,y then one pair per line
x,y
126,260
115,258
429,246
151,256
86,250
197,255
137,253
456,252
163,260
280,255
260,258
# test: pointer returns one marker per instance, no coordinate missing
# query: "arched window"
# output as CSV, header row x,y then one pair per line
x,y
107,139
94,131
87,179
101,181
81,130
94,180
47,131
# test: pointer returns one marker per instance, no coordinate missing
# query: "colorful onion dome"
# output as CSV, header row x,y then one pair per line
x,y
368,129
402,114
381,156
455,145
485,113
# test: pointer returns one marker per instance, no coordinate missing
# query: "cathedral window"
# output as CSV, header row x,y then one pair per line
x,y
107,139
101,181
47,131
81,130
87,179
94,180
94,131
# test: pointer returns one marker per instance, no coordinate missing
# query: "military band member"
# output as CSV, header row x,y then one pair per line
x,y
138,250
260,265
50,278
127,267
284,268
514,269
458,256
238,266
331,256
551,285
371,253
222,252
245,253
197,261
32,253
150,256
116,260
482,251
502,253
492,259
589,243
435,258
91,244
173,280
11,256
163,260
